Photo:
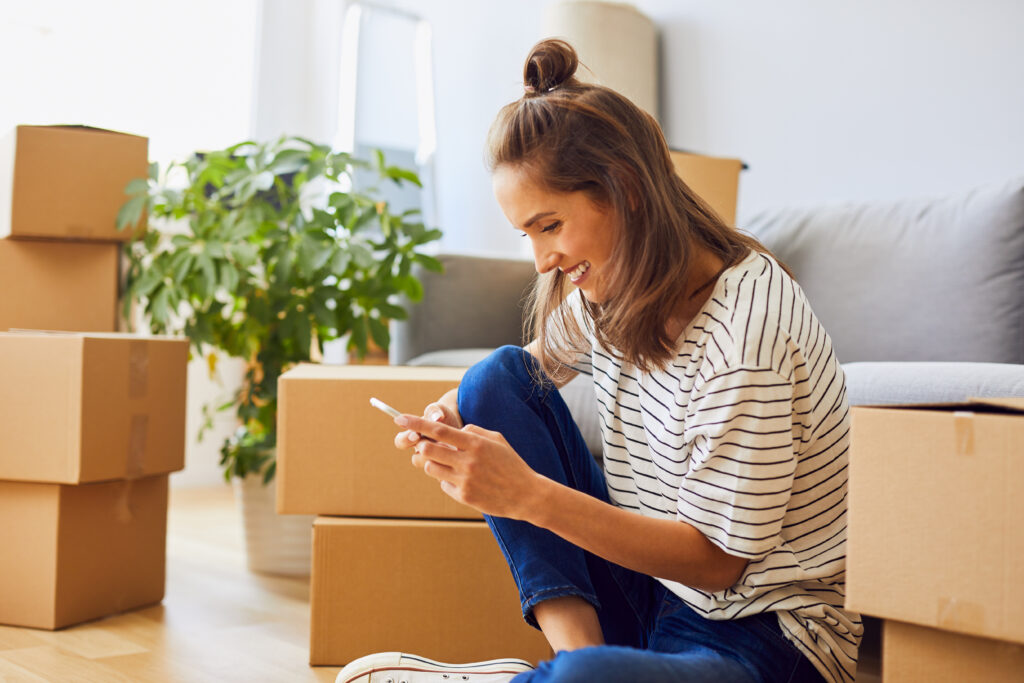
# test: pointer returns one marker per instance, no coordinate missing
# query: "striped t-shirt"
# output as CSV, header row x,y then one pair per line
x,y
745,436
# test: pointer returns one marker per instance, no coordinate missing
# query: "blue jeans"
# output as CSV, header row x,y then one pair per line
x,y
651,634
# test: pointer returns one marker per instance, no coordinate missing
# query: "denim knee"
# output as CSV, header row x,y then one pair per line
x,y
507,372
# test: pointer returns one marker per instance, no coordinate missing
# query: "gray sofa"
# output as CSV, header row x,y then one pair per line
x,y
923,298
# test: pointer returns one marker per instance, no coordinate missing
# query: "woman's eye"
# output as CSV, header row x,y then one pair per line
x,y
551,226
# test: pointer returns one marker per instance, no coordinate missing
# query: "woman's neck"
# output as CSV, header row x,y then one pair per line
x,y
704,273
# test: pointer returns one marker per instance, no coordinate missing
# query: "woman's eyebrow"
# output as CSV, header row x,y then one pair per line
x,y
537,217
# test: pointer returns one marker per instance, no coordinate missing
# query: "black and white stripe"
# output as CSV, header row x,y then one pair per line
x,y
745,436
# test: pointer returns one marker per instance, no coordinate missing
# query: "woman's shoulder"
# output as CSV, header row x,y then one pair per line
x,y
748,312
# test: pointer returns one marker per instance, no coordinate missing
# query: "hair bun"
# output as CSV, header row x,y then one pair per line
x,y
551,63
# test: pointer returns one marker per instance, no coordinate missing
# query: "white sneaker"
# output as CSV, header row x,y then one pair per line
x,y
398,667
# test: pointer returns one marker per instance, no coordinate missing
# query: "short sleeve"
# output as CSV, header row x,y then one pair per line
x,y
740,478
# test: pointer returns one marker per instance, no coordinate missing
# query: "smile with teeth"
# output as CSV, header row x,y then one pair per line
x,y
577,273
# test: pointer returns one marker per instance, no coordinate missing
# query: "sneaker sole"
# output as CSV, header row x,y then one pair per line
x,y
398,661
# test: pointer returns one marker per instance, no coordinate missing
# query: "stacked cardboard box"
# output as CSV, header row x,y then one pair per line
x,y
397,564
935,544
91,422
60,190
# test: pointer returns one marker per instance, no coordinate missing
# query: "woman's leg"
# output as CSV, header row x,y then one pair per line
x,y
500,393
686,647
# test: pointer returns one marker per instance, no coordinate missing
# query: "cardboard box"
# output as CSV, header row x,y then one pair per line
x,y
437,589
716,180
336,453
67,182
75,553
935,508
58,286
80,408
914,653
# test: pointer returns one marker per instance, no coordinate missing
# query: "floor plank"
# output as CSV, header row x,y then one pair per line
x,y
218,620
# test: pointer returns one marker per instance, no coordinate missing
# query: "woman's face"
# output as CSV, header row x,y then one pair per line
x,y
568,231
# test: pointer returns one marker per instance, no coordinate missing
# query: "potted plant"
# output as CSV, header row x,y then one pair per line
x,y
265,253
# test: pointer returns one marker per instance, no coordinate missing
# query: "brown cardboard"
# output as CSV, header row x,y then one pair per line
x,y
336,453
76,553
67,182
936,502
90,407
716,180
58,286
437,589
914,653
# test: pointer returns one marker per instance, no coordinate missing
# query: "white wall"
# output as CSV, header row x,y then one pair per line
x,y
824,100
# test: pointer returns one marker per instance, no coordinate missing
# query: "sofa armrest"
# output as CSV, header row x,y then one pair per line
x,y
476,303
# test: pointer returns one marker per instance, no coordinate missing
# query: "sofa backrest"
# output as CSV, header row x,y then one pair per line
x,y
476,303
916,280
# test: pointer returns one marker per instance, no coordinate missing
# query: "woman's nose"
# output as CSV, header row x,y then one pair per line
x,y
544,260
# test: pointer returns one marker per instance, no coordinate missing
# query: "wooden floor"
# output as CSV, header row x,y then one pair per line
x,y
218,621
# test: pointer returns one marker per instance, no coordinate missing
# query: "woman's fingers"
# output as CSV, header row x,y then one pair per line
x,y
406,439
437,431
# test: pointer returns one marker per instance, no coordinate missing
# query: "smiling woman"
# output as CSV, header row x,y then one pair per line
x,y
710,544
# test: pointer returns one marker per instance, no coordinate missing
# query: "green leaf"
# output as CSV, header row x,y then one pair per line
x,y
131,211
380,334
340,261
137,186
429,262
147,282
399,174
182,266
209,276
303,335
362,255
228,277
245,254
358,339
392,311
411,286
159,309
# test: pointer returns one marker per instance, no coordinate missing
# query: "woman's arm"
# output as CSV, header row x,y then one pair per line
x,y
479,468
446,408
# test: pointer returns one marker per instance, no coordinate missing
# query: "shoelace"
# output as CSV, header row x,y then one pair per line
x,y
463,677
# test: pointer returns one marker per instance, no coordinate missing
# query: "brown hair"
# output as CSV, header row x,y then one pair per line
x,y
570,136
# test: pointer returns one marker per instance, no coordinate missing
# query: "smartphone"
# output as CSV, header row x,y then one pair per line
x,y
385,408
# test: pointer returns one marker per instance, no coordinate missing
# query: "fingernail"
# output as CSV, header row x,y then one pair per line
x,y
402,421
412,436
435,416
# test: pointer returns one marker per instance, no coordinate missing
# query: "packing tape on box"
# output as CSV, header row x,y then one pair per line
x,y
138,369
963,429
135,465
954,614
123,502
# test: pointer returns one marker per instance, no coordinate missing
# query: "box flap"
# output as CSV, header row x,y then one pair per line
x,y
80,126
421,373
972,404
1016,404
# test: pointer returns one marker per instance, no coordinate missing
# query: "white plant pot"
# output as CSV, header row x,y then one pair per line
x,y
274,544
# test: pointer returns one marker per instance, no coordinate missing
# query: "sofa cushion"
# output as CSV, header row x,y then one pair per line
x,y
915,280
896,383
578,394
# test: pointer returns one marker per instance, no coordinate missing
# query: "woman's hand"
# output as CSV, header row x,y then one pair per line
x,y
476,467
444,410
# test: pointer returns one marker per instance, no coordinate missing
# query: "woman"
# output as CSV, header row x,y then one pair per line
x,y
711,546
